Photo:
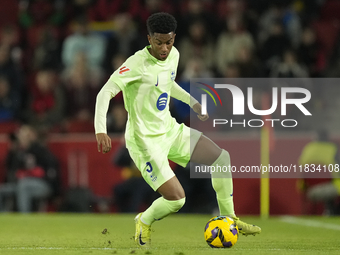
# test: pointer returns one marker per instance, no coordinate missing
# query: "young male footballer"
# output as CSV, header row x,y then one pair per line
x,y
147,80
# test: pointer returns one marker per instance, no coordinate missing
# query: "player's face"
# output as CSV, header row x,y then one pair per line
x,y
161,45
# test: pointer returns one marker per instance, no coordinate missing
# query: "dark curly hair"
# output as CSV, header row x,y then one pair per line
x,y
162,23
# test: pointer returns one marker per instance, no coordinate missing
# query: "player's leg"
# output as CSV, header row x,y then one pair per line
x,y
157,172
172,199
208,153
192,145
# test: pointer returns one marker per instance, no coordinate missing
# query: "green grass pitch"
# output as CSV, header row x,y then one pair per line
x,y
180,234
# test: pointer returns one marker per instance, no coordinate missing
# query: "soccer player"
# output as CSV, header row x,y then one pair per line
x,y
146,80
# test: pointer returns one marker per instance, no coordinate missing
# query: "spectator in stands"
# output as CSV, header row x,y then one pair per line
x,y
47,51
198,43
230,41
226,8
333,65
274,47
12,73
104,10
284,14
196,67
31,172
152,6
10,36
242,9
310,10
81,84
289,67
292,25
83,40
124,41
80,7
321,152
9,104
40,12
81,64
248,63
270,16
308,50
232,70
198,10
46,104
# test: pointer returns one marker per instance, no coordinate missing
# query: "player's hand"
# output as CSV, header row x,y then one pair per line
x,y
198,109
103,143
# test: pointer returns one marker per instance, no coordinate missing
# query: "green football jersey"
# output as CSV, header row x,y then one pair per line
x,y
146,83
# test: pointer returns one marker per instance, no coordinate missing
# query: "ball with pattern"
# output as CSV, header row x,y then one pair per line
x,y
221,232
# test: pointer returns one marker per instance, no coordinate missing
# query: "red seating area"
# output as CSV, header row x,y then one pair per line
x,y
8,127
9,12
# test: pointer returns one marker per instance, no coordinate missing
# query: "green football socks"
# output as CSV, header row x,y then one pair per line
x,y
222,183
161,208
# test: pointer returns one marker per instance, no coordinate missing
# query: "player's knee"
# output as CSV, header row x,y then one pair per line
x,y
173,193
176,205
225,154
222,157
221,169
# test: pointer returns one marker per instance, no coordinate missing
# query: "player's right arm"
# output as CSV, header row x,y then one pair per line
x,y
108,91
127,74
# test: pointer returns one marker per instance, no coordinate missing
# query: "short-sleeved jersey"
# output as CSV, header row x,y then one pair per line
x,y
146,83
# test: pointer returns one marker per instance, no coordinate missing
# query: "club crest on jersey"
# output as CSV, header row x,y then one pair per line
x,y
172,75
161,102
123,69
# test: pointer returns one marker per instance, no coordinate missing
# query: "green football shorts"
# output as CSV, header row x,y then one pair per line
x,y
176,145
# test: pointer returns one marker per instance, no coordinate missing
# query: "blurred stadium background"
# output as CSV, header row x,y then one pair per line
x,y
56,54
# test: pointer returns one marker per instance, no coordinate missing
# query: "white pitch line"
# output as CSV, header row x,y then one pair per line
x,y
93,248
54,248
310,223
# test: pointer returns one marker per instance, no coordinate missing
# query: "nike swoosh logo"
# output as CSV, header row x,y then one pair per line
x,y
157,82
140,237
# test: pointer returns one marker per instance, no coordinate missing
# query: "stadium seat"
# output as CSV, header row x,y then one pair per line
x,y
9,12
8,127
326,33
80,126
330,10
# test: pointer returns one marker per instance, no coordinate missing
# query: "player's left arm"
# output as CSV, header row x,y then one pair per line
x,y
180,94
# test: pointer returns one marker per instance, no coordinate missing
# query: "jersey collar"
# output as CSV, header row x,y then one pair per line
x,y
158,62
